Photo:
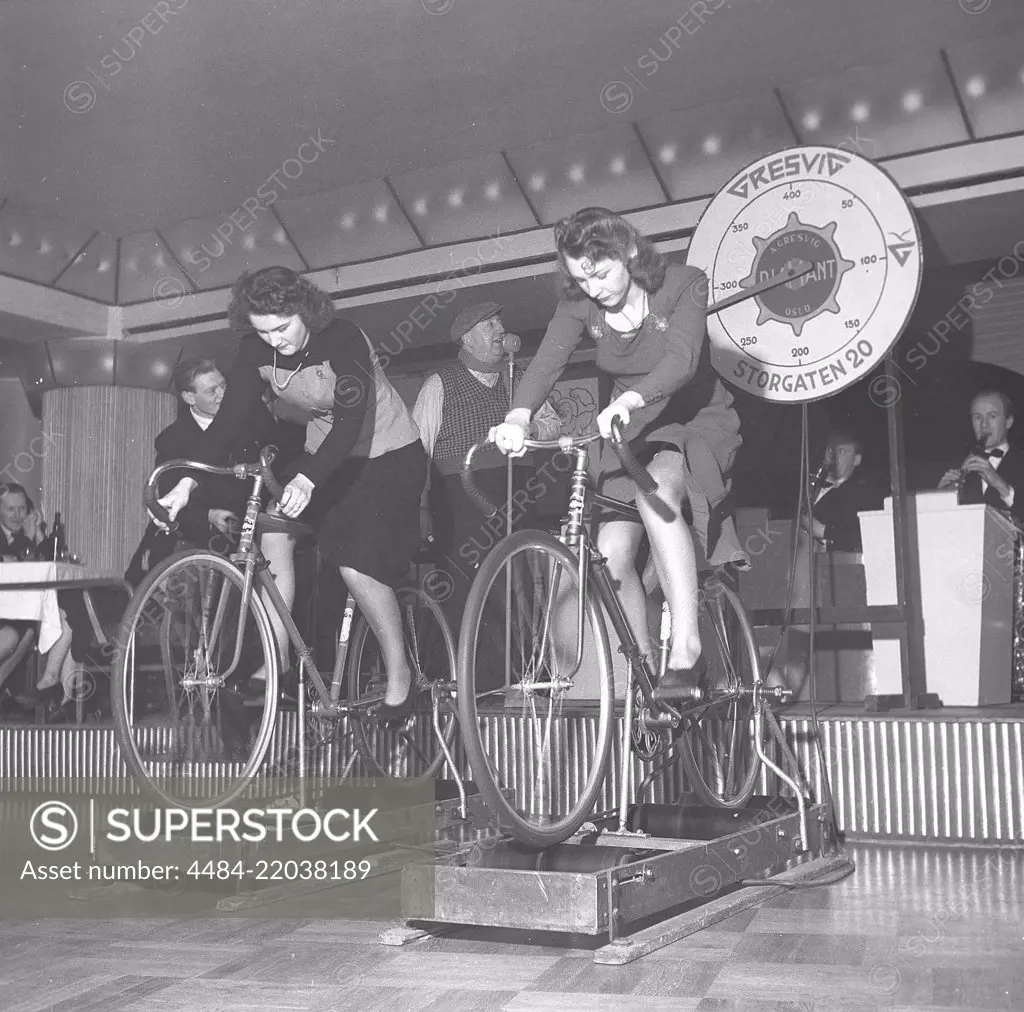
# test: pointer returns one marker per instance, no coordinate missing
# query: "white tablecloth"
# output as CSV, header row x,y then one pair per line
x,y
39,605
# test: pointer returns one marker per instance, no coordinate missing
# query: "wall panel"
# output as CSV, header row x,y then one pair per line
x,y
101,454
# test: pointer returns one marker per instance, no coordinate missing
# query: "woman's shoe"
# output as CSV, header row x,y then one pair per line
x,y
392,718
684,685
59,712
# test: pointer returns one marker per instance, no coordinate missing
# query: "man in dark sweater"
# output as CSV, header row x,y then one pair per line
x,y
457,406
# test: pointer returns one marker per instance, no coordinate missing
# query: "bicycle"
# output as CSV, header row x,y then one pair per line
x,y
194,632
545,799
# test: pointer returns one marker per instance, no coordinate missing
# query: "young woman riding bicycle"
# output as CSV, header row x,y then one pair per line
x,y
359,481
646,317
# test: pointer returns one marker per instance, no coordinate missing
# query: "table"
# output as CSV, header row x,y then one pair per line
x,y
28,592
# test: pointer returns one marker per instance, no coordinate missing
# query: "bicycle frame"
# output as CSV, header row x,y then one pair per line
x,y
255,569
592,563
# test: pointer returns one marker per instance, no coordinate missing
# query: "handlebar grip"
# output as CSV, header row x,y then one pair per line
x,y
474,494
267,457
149,500
644,482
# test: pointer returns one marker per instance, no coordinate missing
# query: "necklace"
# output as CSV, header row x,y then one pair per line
x,y
273,378
632,326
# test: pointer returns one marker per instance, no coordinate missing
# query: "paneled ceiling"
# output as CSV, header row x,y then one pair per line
x,y
125,116
133,134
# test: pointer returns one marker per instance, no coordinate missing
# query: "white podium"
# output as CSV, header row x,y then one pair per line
x,y
966,579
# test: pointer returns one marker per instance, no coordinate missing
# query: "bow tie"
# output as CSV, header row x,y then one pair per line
x,y
997,453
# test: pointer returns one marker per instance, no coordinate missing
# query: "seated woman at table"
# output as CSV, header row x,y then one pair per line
x,y
19,541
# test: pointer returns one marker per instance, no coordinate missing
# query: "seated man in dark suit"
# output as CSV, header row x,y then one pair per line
x,y
847,492
993,471
212,516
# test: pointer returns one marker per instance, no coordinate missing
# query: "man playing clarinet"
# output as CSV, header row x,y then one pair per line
x,y
993,472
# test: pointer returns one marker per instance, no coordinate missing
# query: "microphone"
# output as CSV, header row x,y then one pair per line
x,y
511,343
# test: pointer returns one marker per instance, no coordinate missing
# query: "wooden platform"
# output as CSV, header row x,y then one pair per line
x,y
913,928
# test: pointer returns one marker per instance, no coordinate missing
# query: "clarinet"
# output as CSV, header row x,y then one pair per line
x,y
818,480
977,450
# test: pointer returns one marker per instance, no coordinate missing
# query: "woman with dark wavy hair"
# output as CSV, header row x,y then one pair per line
x,y
647,318
359,481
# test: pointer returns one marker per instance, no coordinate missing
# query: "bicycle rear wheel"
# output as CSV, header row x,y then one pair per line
x,y
518,737
717,743
186,732
412,751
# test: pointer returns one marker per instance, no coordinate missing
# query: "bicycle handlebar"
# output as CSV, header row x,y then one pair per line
x,y
644,482
241,471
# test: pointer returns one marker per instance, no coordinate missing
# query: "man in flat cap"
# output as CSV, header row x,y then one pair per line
x,y
457,406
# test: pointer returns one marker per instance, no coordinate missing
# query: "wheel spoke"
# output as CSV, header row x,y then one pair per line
x,y
412,752
549,761
185,734
717,744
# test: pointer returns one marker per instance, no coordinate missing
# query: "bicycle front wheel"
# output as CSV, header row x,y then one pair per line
x,y
412,751
187,732
537,768
717,743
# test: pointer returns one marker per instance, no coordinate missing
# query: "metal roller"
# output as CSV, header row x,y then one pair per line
x,y
699,822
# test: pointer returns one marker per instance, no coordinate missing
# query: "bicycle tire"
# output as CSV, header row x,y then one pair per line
x,y
419,732
724,727
233,773
554,828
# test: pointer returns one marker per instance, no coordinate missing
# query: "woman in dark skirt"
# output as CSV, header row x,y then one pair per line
x,y
359,482
646,317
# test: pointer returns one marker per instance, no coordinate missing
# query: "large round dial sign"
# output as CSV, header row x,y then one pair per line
x,y
810,337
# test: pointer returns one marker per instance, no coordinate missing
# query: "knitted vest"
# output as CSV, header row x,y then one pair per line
x,y
471,409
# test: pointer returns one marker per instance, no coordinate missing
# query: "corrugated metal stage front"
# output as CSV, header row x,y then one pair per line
x,y
949,775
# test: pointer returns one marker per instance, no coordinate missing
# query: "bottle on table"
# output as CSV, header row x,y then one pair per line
x,y
60,540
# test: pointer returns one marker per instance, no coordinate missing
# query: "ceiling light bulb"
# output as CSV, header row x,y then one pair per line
x,y
860,112
249,242
576,173
618,166
912,101
381,213
668,154
537,181
493,191
104,266
279,236
975,87
712,145
812,121
420,206
455,198
348,220
45,246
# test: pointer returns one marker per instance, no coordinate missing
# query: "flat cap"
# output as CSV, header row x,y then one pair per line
x,y
471,316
